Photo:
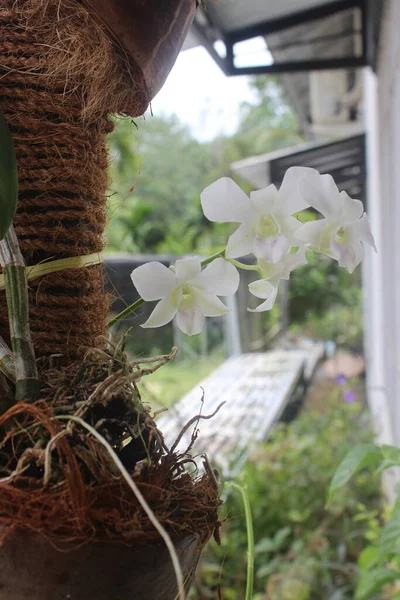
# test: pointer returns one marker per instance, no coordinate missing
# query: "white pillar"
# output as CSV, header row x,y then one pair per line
x,y
375,319
232,328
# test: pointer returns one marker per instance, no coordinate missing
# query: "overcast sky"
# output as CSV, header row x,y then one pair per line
x,y
202,97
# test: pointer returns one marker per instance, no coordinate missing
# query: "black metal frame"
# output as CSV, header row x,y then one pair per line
x,y
208,34
344,159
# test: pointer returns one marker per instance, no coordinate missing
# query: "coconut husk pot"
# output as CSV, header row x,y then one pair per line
x,y
151,32
71,526
32,569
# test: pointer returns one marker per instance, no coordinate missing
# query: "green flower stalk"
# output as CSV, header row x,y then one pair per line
x,y
242,489
11,259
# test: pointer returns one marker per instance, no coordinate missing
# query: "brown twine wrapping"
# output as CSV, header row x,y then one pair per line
x,y
60,76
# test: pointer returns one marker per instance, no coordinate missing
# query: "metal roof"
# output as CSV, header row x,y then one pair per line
x,y
343,159
301,35
234,15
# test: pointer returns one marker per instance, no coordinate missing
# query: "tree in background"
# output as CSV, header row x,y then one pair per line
x,y
163,214
270,123
150,206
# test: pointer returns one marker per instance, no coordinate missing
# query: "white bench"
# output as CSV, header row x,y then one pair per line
x,y
255,388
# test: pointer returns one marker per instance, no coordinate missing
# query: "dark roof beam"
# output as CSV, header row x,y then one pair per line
x,y
208,34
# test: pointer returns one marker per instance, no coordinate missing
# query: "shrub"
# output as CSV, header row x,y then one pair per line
x,y
303,551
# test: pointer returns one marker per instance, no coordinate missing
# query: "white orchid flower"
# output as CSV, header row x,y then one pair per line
x,y
185,291
344,229
267,288
267,225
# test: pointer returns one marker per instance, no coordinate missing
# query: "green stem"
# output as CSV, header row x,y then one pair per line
x,y
27,381
128,310
250,537
209,260
240,265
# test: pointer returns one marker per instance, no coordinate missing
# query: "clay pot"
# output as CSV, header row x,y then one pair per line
x,y
31,568
152,32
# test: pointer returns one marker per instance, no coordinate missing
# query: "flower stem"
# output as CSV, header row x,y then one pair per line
x,y
250,537
243,266
27,381
127,311
210,259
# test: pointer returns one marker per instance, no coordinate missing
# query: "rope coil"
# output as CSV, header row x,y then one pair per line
x,y
60,77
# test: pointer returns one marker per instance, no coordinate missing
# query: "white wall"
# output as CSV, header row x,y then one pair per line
x,y
382,271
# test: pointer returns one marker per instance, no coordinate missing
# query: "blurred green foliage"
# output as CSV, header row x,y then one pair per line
x,y
304,551
379,562
158,171
325,301
169,384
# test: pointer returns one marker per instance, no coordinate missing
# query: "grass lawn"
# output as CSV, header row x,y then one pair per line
x,y
170,383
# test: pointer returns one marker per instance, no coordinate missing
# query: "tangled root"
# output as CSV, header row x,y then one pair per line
x,y
59,481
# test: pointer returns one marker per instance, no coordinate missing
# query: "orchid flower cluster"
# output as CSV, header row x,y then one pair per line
x,y
270,229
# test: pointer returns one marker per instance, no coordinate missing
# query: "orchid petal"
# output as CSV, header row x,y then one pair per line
x,y
264,289
224,202
270,270
153,281
240,242
352,209
291,199
289,226
348,256
271,249
264,201
165,310
267,305
210,305
322,194
190,320
361,230
219,277
291,261
283,268
313,233
187,268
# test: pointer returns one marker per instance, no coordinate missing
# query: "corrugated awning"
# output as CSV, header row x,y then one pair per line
x,y
344,160
235,15
299,35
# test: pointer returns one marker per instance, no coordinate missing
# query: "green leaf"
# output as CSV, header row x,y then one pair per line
x,y
368,557
372,581
281,536
390,536
265,545
8,178
391,456
361,456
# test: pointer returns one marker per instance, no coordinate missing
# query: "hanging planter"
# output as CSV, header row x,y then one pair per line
x,y
89,493
150,32
100,571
